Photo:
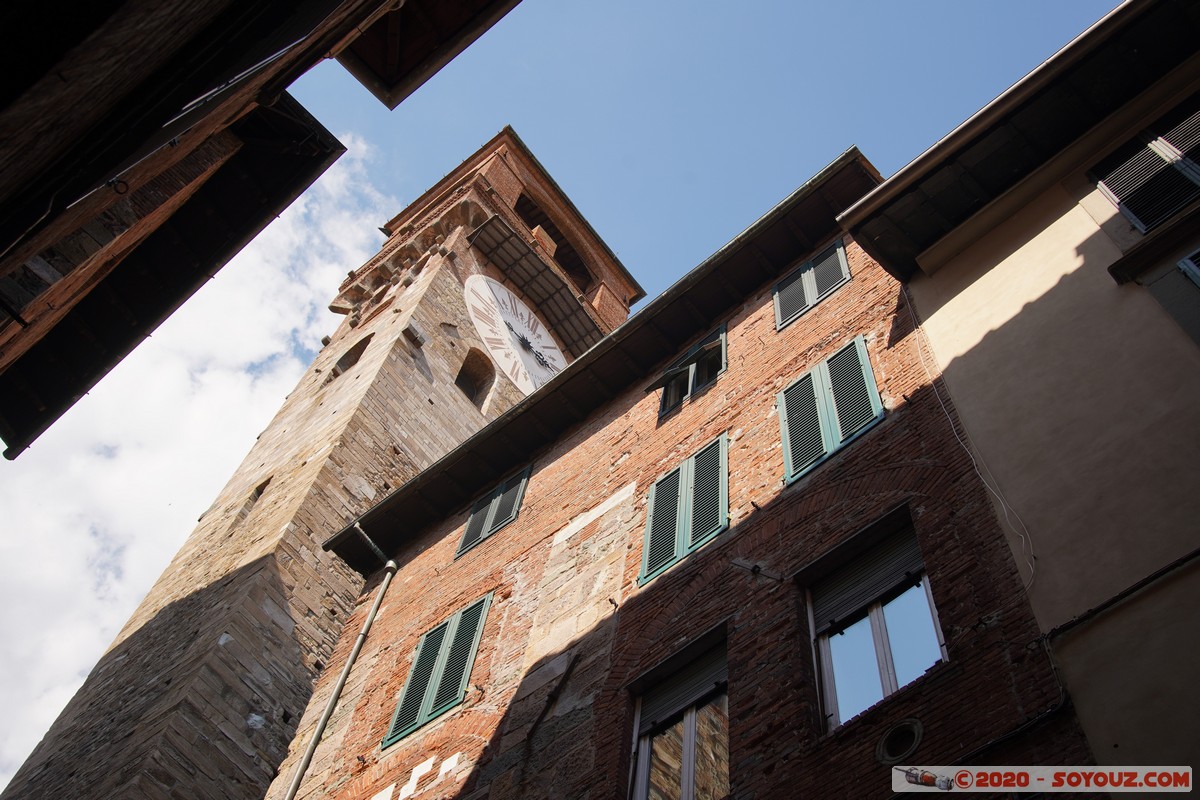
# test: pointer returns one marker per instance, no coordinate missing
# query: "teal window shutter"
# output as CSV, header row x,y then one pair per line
x,y
709,504
410,710
800,419
687,507
810,283
852,387
441,670
493,511
826,407
662,523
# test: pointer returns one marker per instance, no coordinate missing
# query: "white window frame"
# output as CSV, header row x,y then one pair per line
x,y
687,770
883,653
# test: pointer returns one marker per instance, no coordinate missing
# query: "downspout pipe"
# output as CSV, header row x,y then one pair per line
x,y
389,569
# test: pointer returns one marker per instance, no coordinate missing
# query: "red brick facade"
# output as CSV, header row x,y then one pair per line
x,y
549,710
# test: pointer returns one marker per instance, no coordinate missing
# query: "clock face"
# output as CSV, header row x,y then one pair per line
x,y
519,342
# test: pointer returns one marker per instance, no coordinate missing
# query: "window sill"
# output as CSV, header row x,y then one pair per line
x,y
789,480
938,673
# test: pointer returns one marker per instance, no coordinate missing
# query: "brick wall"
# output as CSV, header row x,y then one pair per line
x,y
549,711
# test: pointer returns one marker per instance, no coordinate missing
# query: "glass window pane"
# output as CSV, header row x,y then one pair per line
x,y
911,634
666,764
855,670
712,749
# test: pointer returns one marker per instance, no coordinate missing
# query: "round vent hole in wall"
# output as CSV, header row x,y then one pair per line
x,y
899,742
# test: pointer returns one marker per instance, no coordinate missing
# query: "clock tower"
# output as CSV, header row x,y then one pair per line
x,y
488,285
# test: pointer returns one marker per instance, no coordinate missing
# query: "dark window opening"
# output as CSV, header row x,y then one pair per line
x,y
475,377
350,357
566,255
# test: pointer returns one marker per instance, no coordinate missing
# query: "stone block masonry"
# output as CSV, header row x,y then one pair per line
x,y
202,691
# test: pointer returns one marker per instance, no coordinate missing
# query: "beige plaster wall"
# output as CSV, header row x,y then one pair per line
x,y
1079,395
1076,391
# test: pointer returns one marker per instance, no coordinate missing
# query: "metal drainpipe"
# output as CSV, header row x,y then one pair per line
x,y
302,768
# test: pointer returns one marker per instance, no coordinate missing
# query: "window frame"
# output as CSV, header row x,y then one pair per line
x,y
806,274
685,545
832,439
690,700
685,368
489,505
884,660
427,712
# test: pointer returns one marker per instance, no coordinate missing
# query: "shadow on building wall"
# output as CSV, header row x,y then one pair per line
x,y
201,701
568,729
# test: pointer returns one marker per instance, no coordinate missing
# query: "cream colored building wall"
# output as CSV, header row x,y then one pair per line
x,y
1077,392
1079,395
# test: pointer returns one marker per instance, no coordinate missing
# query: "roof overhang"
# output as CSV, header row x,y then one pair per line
x,y
540,283
285,149
629,357
969,171
404,47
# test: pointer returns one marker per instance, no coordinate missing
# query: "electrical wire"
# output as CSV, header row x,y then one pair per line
x,y
989,482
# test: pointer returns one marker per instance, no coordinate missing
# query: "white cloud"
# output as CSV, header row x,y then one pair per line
x,y
95,509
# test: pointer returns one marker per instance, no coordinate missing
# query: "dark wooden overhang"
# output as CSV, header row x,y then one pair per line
x,y
285,149
1022,130
539,282
401,49
94,97
632,355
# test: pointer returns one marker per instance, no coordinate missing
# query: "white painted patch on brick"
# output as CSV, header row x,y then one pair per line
x,y
384,794
583,520
255,721
449,764
224,639
419,771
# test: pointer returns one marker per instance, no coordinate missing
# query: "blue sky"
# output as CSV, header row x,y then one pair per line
x,y
671,125
674,125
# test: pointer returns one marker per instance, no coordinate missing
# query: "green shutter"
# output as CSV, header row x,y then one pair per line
x,y
709,505
829,270
476,524
852,386
662,523
508,502
687,507
492,512
826,407
456,669
441,670
409,712
809,283
800,421
791,298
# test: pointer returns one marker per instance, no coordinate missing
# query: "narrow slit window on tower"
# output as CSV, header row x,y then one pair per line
x,y
475,377
350,357
244,511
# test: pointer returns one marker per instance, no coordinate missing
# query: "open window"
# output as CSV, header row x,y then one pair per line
x,y
475,377
1155,175
691,372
